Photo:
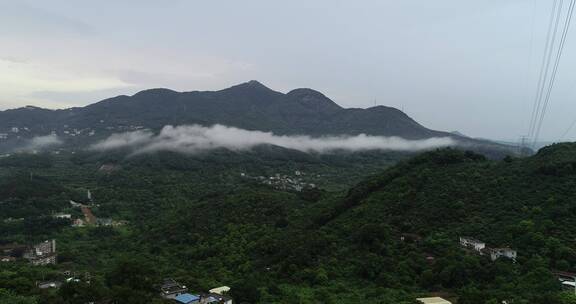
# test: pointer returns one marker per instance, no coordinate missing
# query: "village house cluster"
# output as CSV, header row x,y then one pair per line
x,y
12,132
89,218
481,248
66,276
177,292
283,182
43,253
17,132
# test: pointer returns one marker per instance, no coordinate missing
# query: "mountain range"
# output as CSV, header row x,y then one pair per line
x,y
250,105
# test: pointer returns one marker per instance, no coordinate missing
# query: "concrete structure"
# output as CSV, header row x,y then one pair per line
x,y
49,284
472,243
62,216
433,300
482,249
496,253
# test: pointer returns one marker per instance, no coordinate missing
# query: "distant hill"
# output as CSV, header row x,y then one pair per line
x,y
249,105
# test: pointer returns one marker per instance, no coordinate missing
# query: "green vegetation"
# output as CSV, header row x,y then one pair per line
x,y
388,239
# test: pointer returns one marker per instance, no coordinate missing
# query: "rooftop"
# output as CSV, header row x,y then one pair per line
x,y
433,300
471,239
220,290
186,298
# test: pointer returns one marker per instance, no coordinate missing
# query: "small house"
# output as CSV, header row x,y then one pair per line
x,y
187,298
78,223
170,289
214,298
104,222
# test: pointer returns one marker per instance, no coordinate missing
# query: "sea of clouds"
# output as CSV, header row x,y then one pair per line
x,y
194,139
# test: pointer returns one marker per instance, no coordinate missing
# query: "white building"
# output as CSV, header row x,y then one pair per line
x,y
433,300
62,216
220,290
78,223
472,243
496,253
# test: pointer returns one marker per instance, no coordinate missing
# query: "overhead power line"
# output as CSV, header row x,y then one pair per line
x,y
550,65
567,130
559,52
541,76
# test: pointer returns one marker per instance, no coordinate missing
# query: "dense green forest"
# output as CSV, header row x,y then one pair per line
x,y
368,232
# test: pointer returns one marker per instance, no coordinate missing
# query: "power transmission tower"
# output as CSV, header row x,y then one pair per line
x,y
523,145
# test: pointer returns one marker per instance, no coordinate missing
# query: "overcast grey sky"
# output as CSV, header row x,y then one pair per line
x,y
461,65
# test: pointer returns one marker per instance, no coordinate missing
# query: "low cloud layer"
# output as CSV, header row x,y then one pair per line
x,y
41,143
194,139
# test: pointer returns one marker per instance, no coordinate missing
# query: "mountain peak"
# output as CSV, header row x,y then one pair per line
x,y
313,99
255,83
250,85
306,92
155,92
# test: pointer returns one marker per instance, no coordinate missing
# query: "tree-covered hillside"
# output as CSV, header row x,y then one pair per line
x,y
209,221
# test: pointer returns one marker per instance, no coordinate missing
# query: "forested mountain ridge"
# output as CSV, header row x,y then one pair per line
x,y
250,106
301,111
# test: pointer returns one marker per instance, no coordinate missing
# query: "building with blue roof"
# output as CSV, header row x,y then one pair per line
x,y
187,298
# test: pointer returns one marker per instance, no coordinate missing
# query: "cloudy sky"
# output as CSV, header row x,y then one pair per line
x,y
459,65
